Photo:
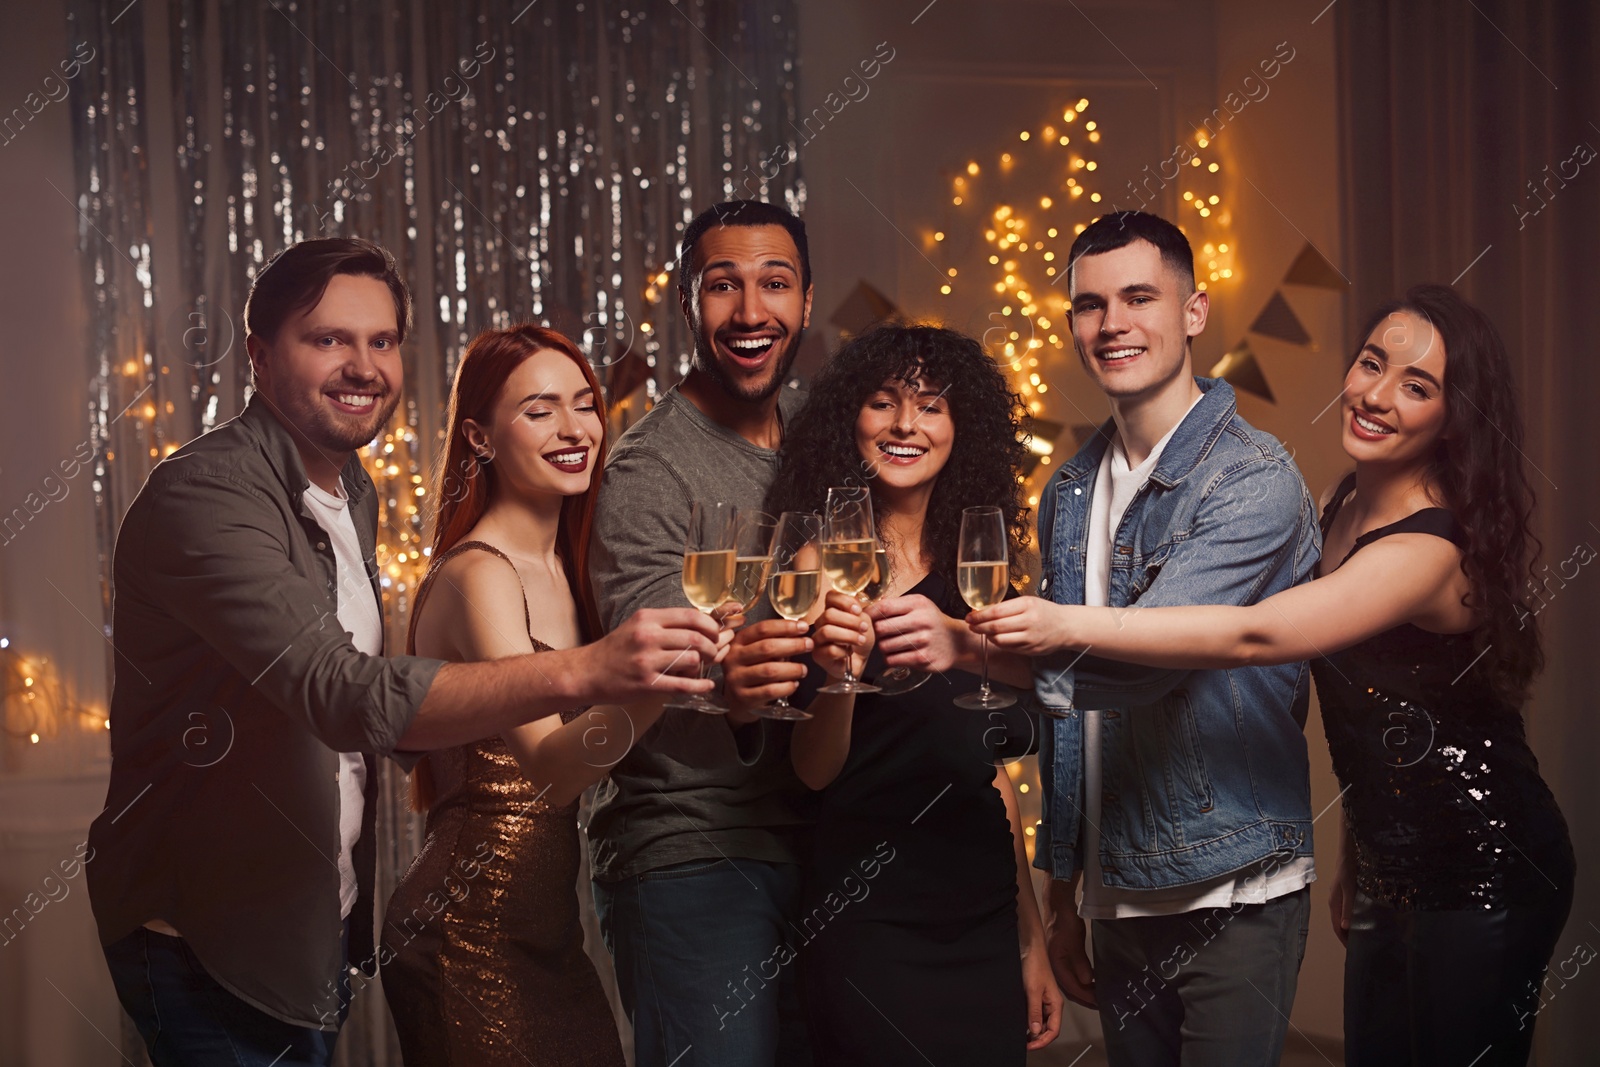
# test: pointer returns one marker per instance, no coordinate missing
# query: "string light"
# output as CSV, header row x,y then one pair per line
x,y
1015,237
37,703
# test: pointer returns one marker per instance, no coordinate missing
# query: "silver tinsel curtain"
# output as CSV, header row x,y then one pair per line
x,y
522,159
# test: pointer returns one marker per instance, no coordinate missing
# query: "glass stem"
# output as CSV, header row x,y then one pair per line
x,y
849,673
783,702
705,668
984,642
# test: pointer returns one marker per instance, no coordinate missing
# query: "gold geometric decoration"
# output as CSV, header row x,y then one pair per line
x,y
1278,320
1310,268
1238,367
864,307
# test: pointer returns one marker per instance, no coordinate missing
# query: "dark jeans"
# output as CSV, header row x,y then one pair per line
x,y
704,963
1209,988
186,1018
1447,987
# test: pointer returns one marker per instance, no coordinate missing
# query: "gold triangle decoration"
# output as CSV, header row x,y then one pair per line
x,y
1238,367
1278,320
1311,268
864,307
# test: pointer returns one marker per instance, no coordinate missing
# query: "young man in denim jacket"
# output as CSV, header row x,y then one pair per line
x,y
1178,800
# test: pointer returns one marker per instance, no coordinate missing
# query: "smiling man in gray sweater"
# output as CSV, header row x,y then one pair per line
x,y
704,809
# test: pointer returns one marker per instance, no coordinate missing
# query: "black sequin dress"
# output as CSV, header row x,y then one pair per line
x,y
1463,867
1443,796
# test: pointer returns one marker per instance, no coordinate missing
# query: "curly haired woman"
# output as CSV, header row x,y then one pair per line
x,y
919,901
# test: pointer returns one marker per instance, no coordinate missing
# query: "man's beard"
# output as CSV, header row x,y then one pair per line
x,y
333,435
705,359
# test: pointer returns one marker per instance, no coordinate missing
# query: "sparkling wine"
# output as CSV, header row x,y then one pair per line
x,y
707,577
793,592
749,579
880,578
981,584
850,564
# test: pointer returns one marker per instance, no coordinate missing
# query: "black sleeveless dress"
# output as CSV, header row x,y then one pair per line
x,y
1463,862
908,941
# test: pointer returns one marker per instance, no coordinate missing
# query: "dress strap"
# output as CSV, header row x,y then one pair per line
x,y
1436,521
456,550
1331,510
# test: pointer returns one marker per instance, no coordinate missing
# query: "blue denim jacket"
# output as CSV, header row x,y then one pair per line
x,y
1204,772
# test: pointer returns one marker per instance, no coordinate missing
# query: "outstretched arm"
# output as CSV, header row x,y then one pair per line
x,y
1252,533
641,521
1399,579
210,554
481,607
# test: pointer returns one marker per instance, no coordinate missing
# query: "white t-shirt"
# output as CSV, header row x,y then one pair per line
x,y
361,618
1114,488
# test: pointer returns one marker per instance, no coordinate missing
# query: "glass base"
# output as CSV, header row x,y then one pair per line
x,y
782,712
987,699
704,705
898,680
848,686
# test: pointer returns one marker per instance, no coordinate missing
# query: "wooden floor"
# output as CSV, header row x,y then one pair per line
x,y
1299,1052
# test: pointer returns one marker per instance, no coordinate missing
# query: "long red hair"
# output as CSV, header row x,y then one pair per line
x,y
462,486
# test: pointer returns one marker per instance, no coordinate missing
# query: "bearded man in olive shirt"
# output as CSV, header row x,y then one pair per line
x,y
698,834
232,872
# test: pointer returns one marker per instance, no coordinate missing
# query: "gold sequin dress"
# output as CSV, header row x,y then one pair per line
x,y
483,959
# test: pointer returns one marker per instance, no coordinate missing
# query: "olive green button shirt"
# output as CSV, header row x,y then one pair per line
x,y
236,689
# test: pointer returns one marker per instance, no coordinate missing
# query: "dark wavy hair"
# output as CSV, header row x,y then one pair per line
x,y
819,449
1477,473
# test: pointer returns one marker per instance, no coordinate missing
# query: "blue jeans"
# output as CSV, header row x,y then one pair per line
x,y
704,962
186,1018
1208,988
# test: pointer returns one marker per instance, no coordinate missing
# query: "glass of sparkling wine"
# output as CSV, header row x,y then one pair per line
x,y
879,583
753,558
794,585
849,556
894,680
709,565
981,567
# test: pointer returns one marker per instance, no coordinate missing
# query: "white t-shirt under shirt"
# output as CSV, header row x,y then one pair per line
x,y
1114,488
361,618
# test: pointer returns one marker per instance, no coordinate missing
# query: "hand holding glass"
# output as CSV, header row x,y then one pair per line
x,y
709,566
849,556
794,585
894,680
981,570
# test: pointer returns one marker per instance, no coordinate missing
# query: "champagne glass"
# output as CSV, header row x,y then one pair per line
x,y
894,680
709,564
794,585
878,584
981,570
753,558
849,556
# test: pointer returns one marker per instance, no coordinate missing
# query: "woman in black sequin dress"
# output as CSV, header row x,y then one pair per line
x,y
1456,874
